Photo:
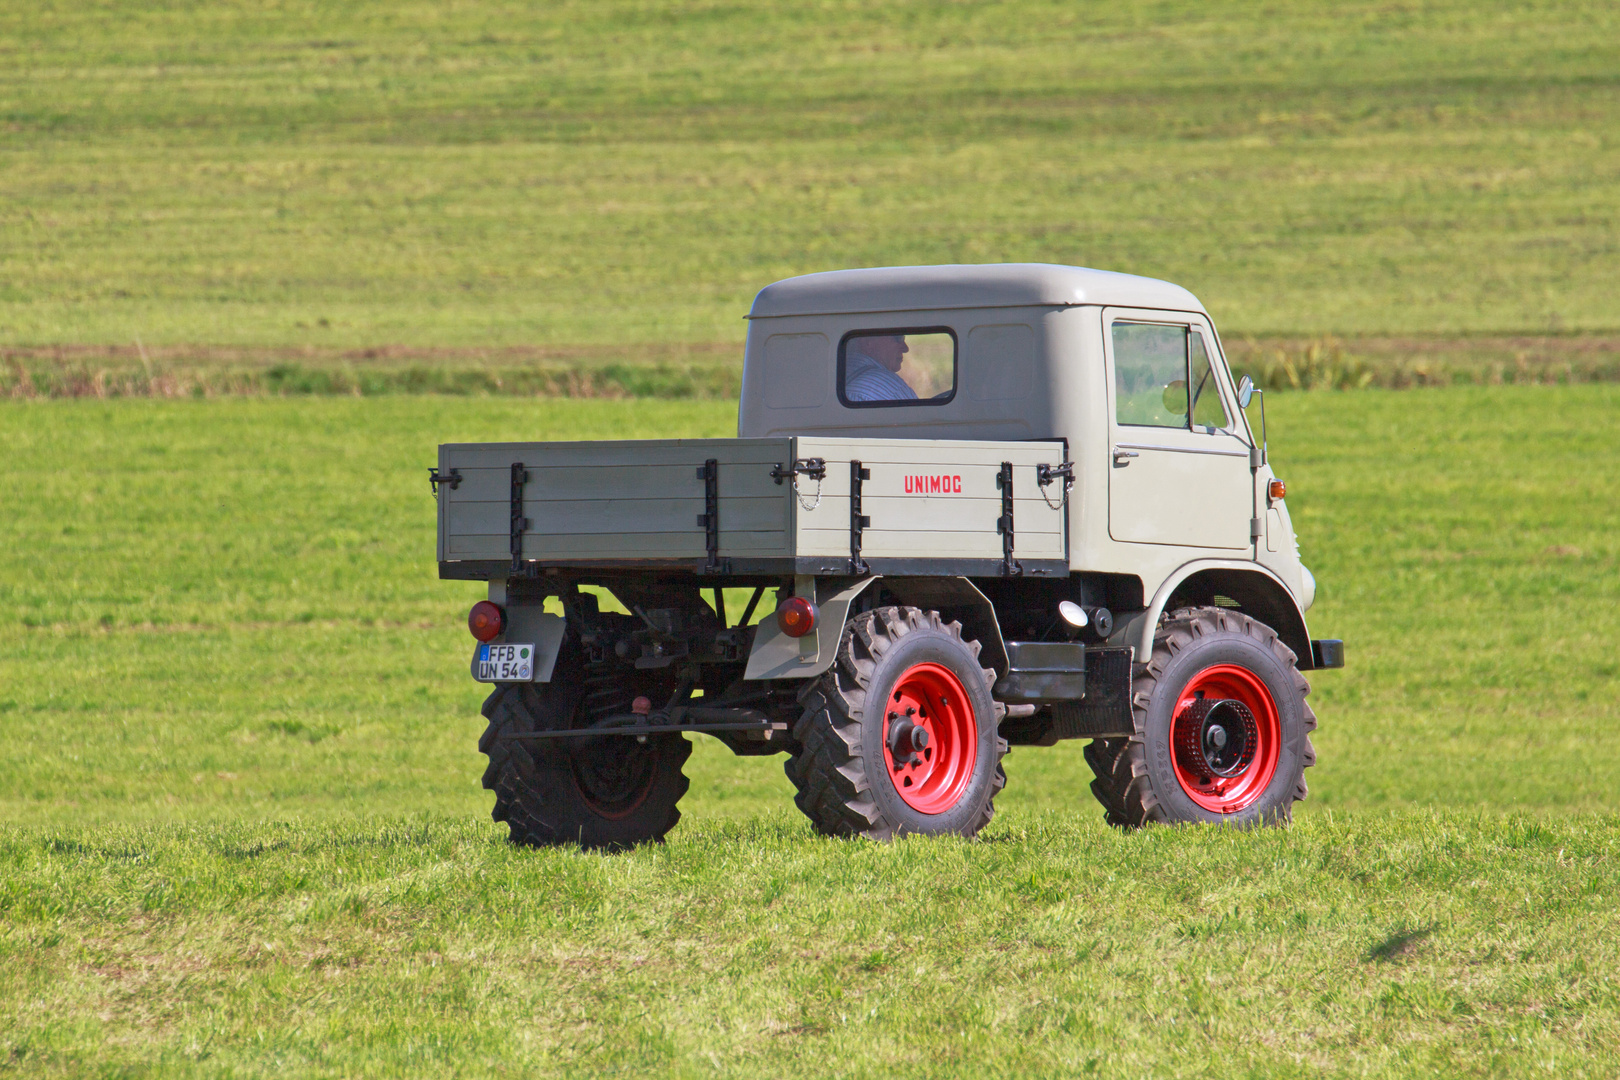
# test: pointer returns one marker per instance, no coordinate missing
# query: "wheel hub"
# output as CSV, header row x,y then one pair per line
x,y
613,774
907,739
614,777
1225,738
1217,737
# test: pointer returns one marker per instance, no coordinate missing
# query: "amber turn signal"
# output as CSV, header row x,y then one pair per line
x,y
1276,490
796,616
486,620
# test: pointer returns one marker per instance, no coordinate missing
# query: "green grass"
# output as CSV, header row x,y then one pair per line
x,y
1435,945
488,174
245,834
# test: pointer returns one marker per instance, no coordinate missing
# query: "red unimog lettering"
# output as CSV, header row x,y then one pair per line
x,y
944,484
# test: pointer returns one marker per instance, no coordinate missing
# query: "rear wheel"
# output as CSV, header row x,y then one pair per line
x,y
899,736
610,791
1222,728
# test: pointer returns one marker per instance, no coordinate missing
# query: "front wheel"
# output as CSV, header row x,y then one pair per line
x,y
1222,728
899,736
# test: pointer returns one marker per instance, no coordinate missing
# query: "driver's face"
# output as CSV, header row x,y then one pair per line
x,y
887,351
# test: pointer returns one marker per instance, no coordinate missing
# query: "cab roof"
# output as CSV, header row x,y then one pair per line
x,y
967,285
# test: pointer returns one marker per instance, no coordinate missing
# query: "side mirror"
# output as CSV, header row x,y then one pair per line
x,y
1246,392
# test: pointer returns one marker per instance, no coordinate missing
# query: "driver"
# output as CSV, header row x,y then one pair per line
x,y
872,369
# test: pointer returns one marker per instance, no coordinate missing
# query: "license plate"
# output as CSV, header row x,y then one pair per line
x,y
511,662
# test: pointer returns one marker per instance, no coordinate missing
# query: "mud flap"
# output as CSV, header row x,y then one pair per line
x,y
777,656
535,625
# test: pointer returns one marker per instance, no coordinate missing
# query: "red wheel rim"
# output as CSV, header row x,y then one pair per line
x,y
1228,777
930,778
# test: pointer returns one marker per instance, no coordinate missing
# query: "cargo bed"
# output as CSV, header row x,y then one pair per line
x,y
786,505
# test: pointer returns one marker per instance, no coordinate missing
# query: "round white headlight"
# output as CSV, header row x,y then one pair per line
x,y
1072,613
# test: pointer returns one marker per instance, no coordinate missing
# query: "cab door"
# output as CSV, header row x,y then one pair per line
x,y
1179,469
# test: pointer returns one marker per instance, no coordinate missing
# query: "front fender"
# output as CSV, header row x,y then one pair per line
x,y
1259,592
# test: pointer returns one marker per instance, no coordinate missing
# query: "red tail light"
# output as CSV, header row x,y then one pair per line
x,y
486,620
796,616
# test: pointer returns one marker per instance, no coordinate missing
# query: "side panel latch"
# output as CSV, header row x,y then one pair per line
x,y
1047,475
813,467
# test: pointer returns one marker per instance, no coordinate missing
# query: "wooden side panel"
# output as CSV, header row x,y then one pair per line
x,y
632,500
925,498
929,498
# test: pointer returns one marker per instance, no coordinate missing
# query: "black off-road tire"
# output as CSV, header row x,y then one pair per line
x,y
1136,782
838,768
610,792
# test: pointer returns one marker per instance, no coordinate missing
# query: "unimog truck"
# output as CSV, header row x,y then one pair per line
x,y
967,508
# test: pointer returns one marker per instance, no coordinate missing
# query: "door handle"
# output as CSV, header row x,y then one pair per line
x,y
1122,457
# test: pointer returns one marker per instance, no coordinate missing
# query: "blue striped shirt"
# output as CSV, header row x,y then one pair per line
x,y
867,380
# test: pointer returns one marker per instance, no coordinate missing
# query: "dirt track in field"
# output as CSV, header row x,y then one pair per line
x,y
713,369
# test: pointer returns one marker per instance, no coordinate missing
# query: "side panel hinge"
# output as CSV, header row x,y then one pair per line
x,y
1004,524
858,522
520,476
709,520
451,479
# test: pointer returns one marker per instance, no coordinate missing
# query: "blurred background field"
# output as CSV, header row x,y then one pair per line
x,y
512,197
684,371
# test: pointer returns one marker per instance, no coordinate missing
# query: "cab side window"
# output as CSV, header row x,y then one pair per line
x,y
1163,378
1150,374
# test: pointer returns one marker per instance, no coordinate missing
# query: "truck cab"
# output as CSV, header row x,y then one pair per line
x,y
1171,486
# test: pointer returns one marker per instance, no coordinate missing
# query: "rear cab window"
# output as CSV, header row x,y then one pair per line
x,y
900,366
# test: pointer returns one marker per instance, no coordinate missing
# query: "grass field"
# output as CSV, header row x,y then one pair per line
x,y
241,832
482,175
244,834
